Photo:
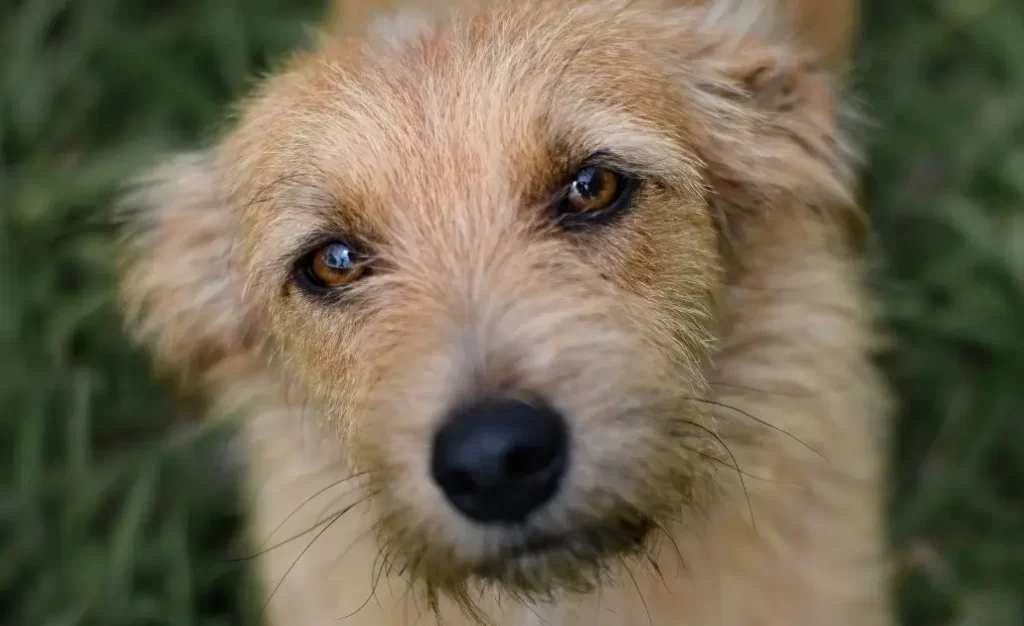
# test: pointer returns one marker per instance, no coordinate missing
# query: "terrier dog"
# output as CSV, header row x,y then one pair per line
x,y
538,312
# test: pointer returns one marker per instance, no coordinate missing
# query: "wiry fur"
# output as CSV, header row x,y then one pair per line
x,y
710,348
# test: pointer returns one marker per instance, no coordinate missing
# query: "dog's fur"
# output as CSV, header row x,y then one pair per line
x,y
711,348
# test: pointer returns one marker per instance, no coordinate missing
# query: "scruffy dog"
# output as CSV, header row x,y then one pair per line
x,y
536,312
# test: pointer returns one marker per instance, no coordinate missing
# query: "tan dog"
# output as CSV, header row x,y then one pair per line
x,y
537,312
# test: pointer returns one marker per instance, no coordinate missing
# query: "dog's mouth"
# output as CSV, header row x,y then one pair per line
x,y
589,544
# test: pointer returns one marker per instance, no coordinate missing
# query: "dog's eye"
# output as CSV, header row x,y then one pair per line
x,y
595,192
592,189
332,266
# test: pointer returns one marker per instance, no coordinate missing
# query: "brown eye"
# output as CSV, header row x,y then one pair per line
x,y
595,194
334,265
592,189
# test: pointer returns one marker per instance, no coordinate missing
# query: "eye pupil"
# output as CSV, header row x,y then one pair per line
x,y
333,265
593,189
588,183
337,256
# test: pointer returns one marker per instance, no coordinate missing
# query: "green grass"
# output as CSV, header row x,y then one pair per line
x,y
107,512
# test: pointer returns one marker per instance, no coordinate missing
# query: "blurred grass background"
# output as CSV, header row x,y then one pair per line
x,y
108,514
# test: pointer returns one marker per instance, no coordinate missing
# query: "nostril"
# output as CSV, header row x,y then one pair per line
x,y
497,461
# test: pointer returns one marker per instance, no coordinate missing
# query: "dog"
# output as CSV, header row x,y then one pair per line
x,y
538,312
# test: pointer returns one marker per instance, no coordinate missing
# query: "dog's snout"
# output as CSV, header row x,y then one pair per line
x,y
498,460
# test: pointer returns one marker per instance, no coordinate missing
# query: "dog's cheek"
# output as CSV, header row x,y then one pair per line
x,y
321,347
628,396
358,363
665,266
663,263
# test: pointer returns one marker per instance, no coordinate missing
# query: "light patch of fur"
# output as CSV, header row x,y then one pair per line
x,y
392,34
711,349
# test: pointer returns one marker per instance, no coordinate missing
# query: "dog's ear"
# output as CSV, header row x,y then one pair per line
x,y
828,27
769,132
351,17
178,282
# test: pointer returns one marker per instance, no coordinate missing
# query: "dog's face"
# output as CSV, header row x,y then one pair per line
x,y
487,249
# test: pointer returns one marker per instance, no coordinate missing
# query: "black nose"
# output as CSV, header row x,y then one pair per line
x,y
499,460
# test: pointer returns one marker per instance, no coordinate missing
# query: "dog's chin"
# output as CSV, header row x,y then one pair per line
x,y
542,564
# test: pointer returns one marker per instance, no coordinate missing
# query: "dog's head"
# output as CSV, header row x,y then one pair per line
x,y
488,247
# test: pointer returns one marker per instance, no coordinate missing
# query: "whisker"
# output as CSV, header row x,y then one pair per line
x,y
672,540
319,492
410,583
329,520
743,483
652,560
639,593
373,587
719,383
375,579
306,549
758,420
331,505
355,541
719,461
376,573
533,610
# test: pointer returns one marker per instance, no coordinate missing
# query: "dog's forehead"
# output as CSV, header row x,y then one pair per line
x,y
476,109
426,88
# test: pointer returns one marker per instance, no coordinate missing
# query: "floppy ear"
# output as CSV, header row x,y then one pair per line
x,y
178,282
769,133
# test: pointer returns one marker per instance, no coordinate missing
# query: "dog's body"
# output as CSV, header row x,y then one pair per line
x,y
709,345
